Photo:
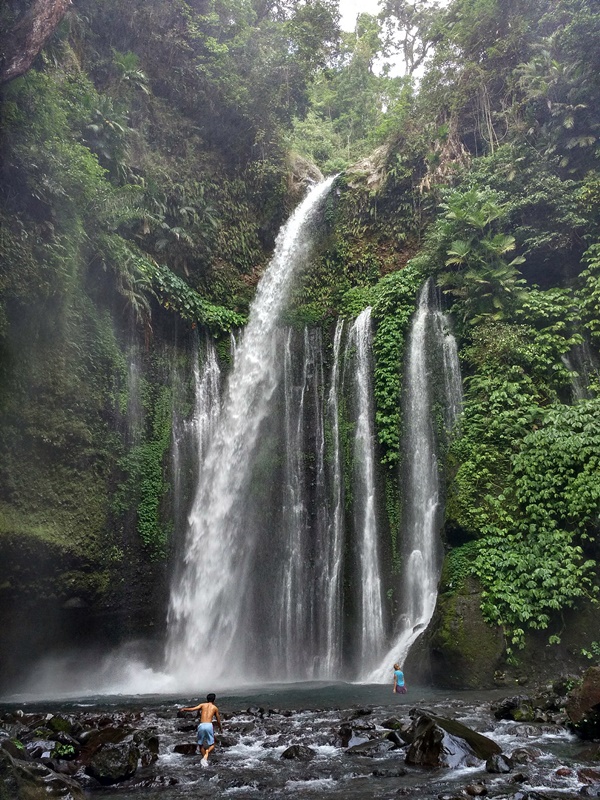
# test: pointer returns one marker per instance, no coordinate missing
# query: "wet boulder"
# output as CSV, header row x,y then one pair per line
x,y
499,764
40,748
65,746
519,708
400,772
224,740
186,749
392,724
345,734
476,790
396,739
371,748
299,752
186,726
114,763
440,742
583,705
524,708
589,776
525,755
93,739
242,727
357,713
60,724
15,748
148,744
20,780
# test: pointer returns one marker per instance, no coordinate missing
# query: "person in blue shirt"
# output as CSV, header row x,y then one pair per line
x,y
399,684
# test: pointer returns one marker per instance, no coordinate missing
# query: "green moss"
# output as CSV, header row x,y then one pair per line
x,y
458,566
393,308
15,522
467,649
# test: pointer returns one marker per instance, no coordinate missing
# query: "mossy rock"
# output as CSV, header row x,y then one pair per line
x,y
465,652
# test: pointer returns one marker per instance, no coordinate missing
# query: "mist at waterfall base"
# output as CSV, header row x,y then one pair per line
x,y
272,537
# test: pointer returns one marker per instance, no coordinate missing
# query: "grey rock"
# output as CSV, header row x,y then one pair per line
x,y
299,752
440,742
114,763
499,764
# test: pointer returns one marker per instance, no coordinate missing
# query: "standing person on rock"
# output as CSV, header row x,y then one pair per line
x,y
399,684
206,736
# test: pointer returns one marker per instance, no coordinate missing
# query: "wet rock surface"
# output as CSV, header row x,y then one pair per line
x,y
449,748
583,705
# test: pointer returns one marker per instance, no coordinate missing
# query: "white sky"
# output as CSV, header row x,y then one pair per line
x,y
350,9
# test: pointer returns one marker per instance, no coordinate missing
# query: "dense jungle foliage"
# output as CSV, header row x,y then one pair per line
x,y
148,158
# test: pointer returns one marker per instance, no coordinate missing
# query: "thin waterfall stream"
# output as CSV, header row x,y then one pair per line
x,y
332,573
421,544
368,577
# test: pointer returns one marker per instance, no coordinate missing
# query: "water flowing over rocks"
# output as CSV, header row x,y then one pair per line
x,y
443,747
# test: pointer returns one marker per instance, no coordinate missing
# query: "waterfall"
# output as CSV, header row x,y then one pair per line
x,y
582,365
421,546
191,436
453,392
212,628
299,627
134,417
368,577
331,574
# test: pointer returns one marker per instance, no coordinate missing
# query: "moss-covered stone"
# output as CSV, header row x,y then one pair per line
x,y
465,651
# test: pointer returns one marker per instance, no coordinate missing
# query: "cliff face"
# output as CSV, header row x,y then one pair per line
x,y
126,226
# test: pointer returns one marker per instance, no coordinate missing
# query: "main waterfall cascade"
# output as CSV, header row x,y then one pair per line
x,y
218,610
284,563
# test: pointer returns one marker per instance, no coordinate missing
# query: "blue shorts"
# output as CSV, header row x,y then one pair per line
x,y
206,734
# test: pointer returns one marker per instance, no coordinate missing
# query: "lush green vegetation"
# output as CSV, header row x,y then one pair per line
x,y
146,161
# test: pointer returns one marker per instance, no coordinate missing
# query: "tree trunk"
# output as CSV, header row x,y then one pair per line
x,y
20,45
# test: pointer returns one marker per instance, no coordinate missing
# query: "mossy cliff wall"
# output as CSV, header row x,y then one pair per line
x,y
87,408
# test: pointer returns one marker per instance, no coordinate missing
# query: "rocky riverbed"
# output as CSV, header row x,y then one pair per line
x,y
520,746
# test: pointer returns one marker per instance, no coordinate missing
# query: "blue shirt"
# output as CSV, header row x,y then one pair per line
x,y
399,675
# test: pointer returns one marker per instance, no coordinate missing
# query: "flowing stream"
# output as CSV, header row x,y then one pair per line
x,y
260,724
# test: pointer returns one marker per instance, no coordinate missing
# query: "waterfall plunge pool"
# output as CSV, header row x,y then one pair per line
x,y
262,721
